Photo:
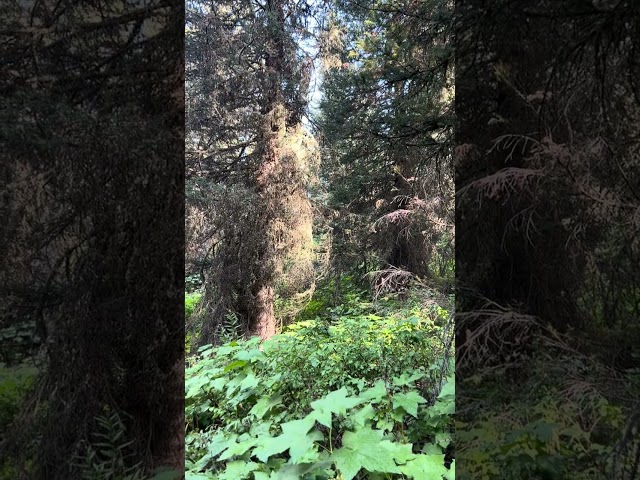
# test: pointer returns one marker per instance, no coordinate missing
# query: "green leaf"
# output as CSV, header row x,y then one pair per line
x,y
296,472
238,470
237,449
364,416
443,439
249,382
295,438
218,384
335,402
408,402
407,379
446,407
364,449
375,393
249,355
219,442
199,476
401,452
451,473
234,365
448,389
265,404
194,385
425,467
205,348
431,449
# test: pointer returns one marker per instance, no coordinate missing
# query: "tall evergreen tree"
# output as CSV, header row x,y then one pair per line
x,y
387,122
248,158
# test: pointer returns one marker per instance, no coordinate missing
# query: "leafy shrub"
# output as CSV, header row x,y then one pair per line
x,y
356,397
14,385
192,331
319,357
557,432
190,302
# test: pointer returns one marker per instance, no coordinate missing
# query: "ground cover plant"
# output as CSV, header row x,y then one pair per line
x,y
354,394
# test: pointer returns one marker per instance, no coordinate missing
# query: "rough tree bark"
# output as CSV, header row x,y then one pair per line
x,y
273,133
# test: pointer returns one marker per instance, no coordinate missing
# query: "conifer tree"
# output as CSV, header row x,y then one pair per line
x,y
248,159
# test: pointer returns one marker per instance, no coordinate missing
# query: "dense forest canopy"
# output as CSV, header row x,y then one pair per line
x,y
255,181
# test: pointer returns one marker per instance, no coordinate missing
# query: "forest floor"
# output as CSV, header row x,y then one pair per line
x,y
362,389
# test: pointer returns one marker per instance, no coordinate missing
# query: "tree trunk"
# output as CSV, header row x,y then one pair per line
x,y
169,449
265,320
273,132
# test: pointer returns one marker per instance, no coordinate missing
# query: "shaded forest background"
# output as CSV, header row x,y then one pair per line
x,y
91,261
281,200
547,248
337,212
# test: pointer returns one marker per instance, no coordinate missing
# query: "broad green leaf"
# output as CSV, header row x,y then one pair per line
x,y
219,442
401,452
431,449
263,405
375,393
364,416
448,389
425,467
218,384
407,379
260,429
250,381
296,472
451,473
295,438
443,439
384,424
335,402
194,385
364,449
408,402
237,449
234,365
199,476
443,407
205,348
249,355
238,470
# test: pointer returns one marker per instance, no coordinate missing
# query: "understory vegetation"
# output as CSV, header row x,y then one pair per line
x,y
364,391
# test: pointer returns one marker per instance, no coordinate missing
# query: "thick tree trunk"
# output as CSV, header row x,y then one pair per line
x,y
273,132
169,449
265,320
